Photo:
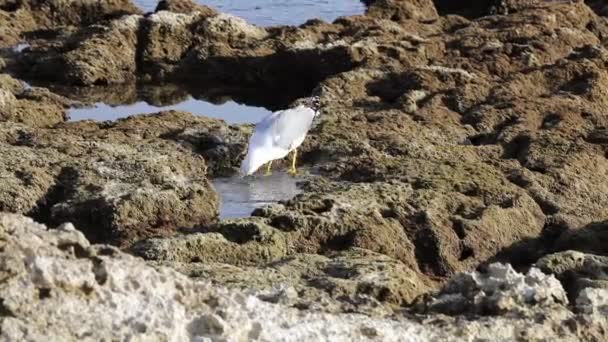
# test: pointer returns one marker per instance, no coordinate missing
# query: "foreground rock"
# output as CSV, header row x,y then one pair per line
x,y
118,182
444,142
58,286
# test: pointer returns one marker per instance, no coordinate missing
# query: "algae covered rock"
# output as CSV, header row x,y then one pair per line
x,y
117,182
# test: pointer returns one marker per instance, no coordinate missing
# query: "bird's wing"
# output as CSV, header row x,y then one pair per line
x,y
289,126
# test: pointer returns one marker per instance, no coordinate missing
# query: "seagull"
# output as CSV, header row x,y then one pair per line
x,y
278,134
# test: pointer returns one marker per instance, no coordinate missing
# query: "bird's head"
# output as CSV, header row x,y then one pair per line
x,y
313,102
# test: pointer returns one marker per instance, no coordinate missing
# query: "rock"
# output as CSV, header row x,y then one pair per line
x,y
593,300
498,291
230,28
223,147
400,10
189,48
443,143
58,286
88,62
184,6
78,13
36,107
64,288
168,38
21,17
378,217
577,271
349,281
117,182
591,238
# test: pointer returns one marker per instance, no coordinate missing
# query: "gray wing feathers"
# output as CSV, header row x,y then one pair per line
x,y
289,127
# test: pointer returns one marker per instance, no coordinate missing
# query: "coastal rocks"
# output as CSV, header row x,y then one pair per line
x,y
222,146
192,47
577,271
117,182
32,106
354,280
498,290
53,13
443,143
168,37
184,6
58,286
103,55
21,17
399,10
411,226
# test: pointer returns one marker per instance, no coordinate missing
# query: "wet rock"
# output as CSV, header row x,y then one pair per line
x,y
336,217
117,182
223,147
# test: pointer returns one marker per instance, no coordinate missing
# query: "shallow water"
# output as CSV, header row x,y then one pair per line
x,y
278,12
240,196
229,111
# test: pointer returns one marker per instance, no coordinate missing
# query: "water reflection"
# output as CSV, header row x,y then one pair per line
x,y
229,111
240,196
119,101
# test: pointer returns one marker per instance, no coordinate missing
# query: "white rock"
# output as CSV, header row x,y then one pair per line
x,y
593,300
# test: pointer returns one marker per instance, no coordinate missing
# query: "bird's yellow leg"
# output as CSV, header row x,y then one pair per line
x,y
268,169
293,169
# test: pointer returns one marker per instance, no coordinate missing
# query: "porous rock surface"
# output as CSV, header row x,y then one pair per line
x,y
20,18
452,134
58,286
448,142
32,106
118,182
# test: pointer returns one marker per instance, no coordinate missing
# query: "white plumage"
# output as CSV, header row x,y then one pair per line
x,y
276,135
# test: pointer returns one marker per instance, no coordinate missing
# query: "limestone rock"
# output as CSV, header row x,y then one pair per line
x,y
58,286
498,291
355,280
577,271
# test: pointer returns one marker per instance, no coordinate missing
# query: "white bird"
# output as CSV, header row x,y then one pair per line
x,y
278,134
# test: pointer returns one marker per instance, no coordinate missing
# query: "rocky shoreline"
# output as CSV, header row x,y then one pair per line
x,y
457,189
